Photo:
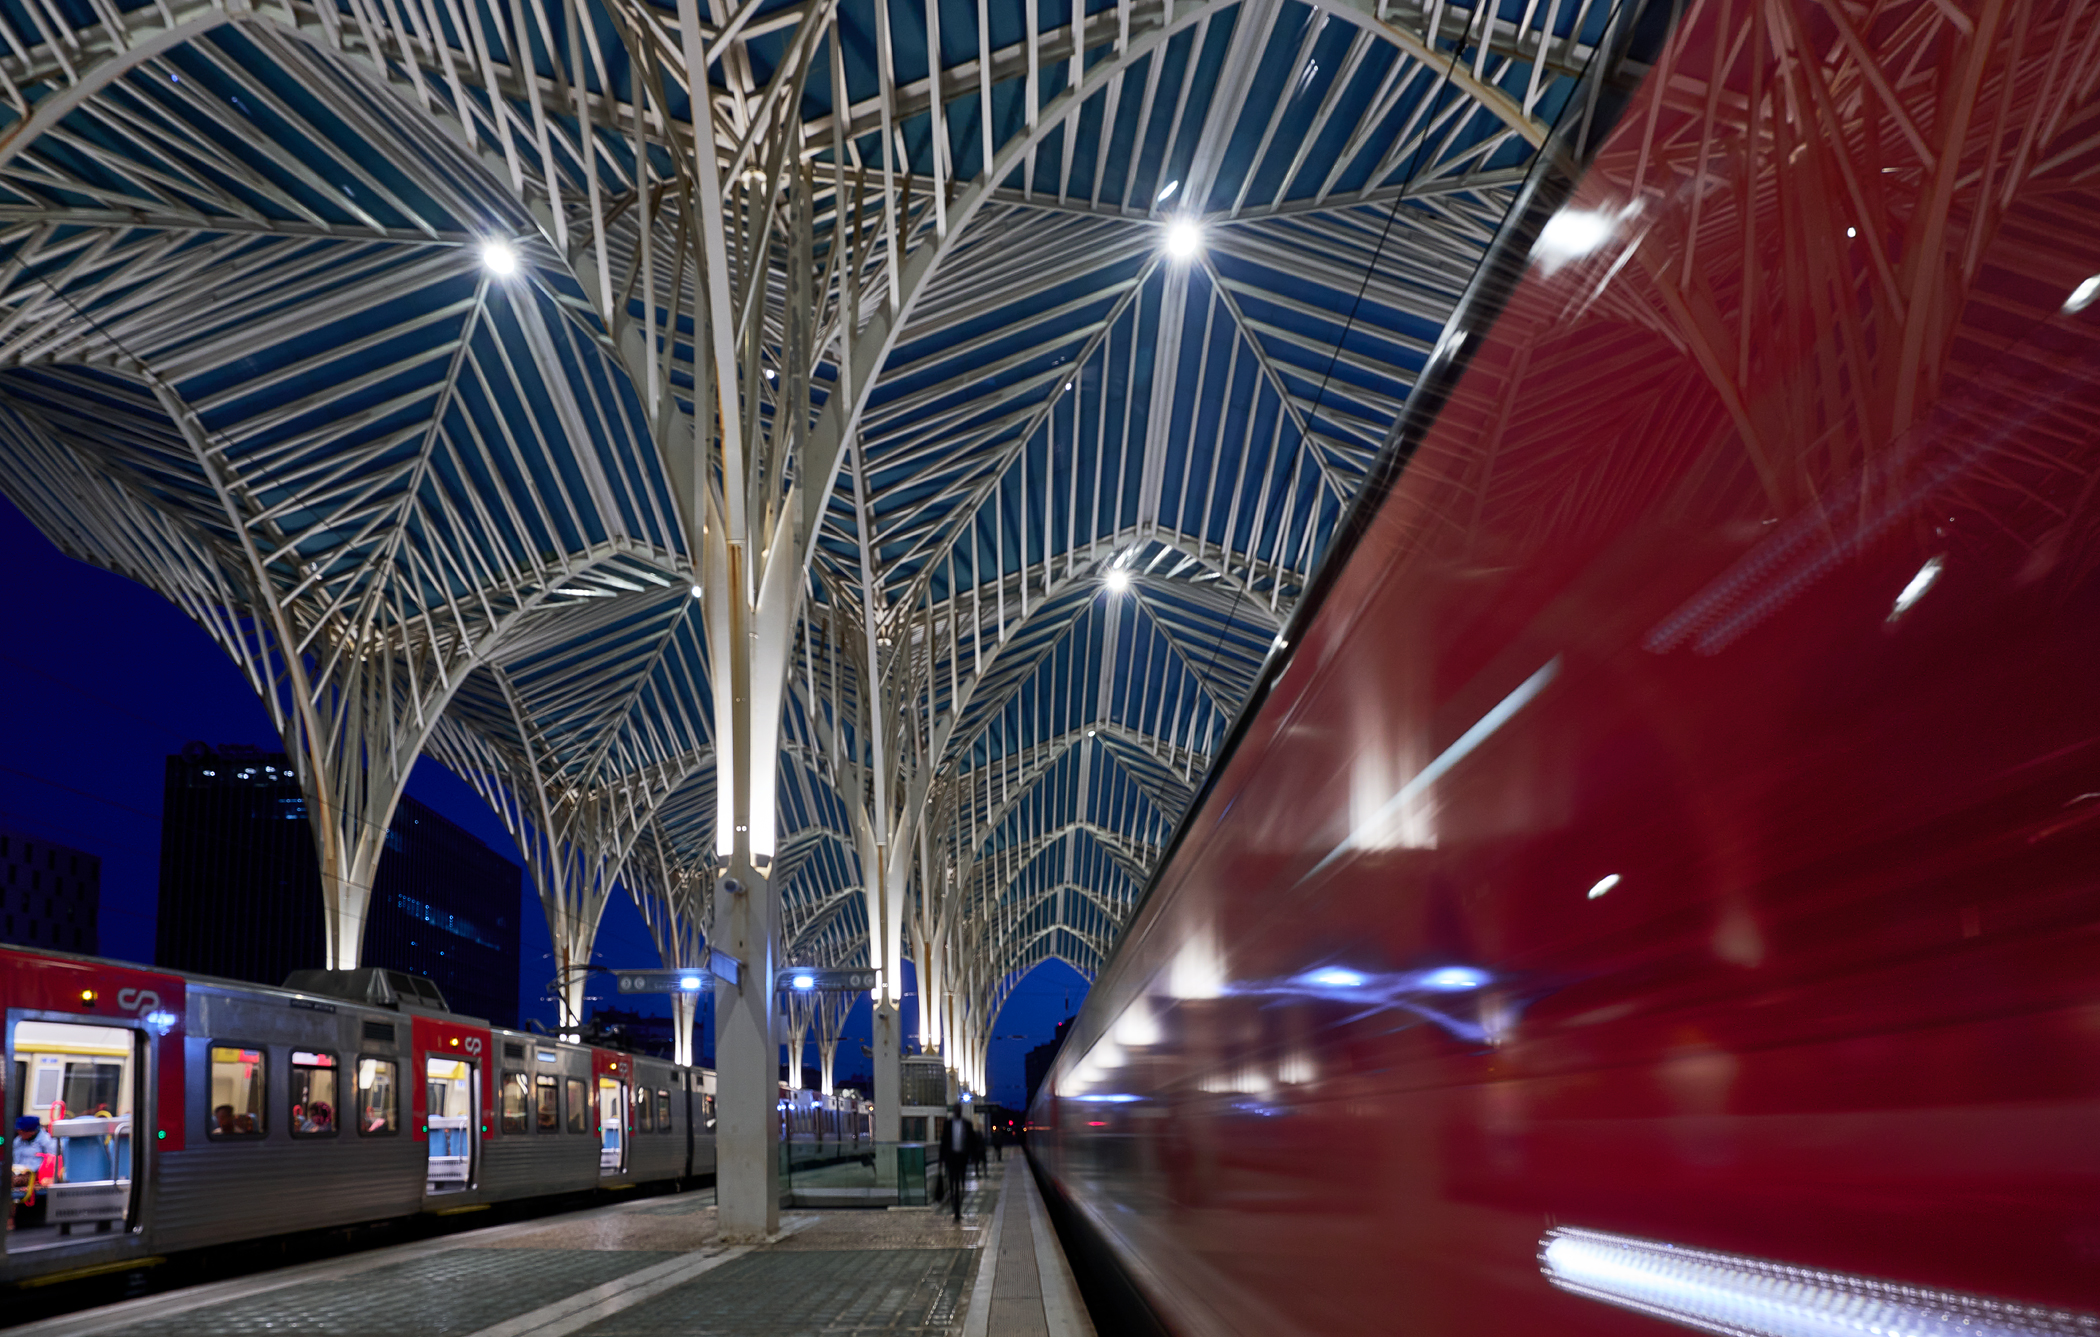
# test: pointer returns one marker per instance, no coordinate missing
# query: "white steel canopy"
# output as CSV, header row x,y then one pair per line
x,y
894,491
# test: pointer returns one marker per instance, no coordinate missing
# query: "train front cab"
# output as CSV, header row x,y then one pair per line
x,y
88,1048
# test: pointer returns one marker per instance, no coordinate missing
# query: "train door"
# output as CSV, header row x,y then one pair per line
x,y
612,1124
71,1172
612,1078
452,1119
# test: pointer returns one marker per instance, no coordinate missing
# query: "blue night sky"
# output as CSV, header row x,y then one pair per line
x,y
101,679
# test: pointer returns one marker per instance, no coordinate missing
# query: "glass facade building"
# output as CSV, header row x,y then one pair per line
x,y
240,890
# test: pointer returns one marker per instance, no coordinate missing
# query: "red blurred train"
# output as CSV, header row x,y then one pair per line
x,y
1663,882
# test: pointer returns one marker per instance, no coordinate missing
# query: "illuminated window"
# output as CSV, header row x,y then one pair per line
x,y
579,1107
663,1111
315,1107
546,1102
378,1109
236,1093
517,1102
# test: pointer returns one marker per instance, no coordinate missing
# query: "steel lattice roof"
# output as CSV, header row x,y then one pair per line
x,y
250,354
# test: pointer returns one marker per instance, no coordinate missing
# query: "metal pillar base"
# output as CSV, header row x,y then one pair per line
x,y
747,1058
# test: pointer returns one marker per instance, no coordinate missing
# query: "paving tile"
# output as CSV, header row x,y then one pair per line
x,y
784,1293
622,1230
457,1291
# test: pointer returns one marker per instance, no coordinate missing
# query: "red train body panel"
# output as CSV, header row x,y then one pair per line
x,y
1680,817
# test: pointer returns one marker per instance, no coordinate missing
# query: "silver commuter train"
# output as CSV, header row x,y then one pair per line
x,y
185,1112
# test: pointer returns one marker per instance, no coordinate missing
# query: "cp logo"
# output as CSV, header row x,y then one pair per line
x,y
140,1001
473,1045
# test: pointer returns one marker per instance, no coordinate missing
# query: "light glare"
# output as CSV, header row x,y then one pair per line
x,y
805,981
1170,188
2082,296
1919,584
1335,977
1572,234
689,981
1604,884
1455,979
1184,238
499,258
1118,580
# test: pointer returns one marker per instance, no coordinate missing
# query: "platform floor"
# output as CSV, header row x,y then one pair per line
x,y
654,1267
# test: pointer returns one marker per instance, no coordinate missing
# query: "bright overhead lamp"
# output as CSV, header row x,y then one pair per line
x,y
804,981
1572,234
689,982
1169,188
1118,580
696,591
1184,238
499,258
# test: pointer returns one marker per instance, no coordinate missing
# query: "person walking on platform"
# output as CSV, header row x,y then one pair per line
x,y
955,1156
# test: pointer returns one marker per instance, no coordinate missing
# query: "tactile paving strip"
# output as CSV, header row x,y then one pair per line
x,y
781,1293
457,1291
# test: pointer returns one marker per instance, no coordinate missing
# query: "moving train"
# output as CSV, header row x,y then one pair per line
x,y
187,1112
1662,882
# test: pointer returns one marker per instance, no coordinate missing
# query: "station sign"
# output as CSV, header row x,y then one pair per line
x,y
664,981
809,979
720,966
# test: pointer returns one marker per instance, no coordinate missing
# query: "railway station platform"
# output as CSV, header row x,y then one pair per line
x,y
654,1267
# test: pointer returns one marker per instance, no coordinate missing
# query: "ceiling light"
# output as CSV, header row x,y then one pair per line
x,y
2082,296
696,591
499,258
689,982
1118,580
1571,234
805,981
771,374
1169,188
1184,238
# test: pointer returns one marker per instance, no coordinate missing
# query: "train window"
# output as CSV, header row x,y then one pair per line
x,y
546,1098
314,1102
93,1087
579,1107
517,1102
378,1109
639,1113
236,1092
663,1111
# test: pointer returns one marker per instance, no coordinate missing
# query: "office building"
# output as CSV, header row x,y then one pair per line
x,y
50,894
240,888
